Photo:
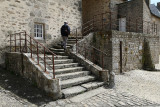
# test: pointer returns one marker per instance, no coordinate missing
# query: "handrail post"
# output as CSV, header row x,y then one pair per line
x,y
148,28
26,41
20,42
76,41
156,29
10,43
85,51
37,54
136,25
15,42
53,67
152,27
93,55
102,61
102,21
129,25
93,24
31,46
44,60
110,21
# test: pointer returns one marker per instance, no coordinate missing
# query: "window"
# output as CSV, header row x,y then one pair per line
x,y
38,31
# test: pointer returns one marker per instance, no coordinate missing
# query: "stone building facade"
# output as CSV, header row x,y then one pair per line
x,y
48,16
137,15
140,17
124,51
30,15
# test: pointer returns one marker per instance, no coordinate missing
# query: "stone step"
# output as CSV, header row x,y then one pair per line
x,y
73,75
92,85
67,70
70,92
73,37
64,61
68,45
59,47
87,95
71,42
74,40
62,66
56,50
76,81
60,53
50,57
60,61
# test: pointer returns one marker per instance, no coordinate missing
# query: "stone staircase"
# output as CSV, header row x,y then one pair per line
x,y
74,79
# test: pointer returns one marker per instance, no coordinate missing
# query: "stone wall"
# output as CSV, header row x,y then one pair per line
x,y
93,9
114,10
138,9
147,16
23,65
19,15
132,50
132,10
102,42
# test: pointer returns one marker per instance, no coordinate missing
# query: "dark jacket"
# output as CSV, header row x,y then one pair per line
x,y
65,30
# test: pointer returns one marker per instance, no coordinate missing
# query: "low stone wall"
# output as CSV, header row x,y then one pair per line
x,y
102,41
25,66
96,70
132,50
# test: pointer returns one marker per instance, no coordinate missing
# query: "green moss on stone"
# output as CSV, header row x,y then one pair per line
x,y
147,62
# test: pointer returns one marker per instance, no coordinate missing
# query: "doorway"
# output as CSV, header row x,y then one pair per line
x,y
122,24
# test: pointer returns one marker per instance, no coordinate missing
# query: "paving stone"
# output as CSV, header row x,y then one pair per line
x,y
73,91
61,102
130,103
53,103
121,103
70,105
110,104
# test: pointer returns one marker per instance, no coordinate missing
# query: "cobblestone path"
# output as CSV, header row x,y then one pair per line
x,y
15,91
110,98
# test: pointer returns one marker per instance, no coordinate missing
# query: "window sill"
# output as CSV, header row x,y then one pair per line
x,y
40,40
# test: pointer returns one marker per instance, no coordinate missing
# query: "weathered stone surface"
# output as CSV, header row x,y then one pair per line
x,y
26,13
73,91
23,65
132,49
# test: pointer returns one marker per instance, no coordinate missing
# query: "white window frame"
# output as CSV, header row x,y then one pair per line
x,y
36,31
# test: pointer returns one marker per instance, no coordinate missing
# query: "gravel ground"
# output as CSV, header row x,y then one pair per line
x,y
144,84
141,89
16,91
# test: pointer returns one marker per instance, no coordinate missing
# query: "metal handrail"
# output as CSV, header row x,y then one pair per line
x,y
99,19
87,50
30,43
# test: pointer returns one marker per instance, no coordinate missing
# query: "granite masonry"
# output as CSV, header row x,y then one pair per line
x,y
19,15
123,50
25,66
126,49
